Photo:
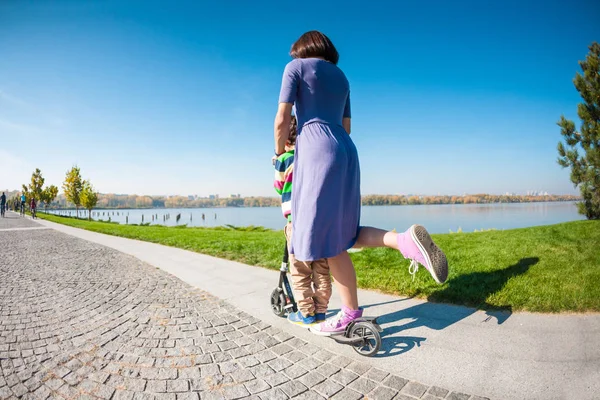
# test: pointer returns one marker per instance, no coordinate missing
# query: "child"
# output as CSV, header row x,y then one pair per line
x,y
311,280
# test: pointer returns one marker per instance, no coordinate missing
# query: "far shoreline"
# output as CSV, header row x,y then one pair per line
x,y
278,205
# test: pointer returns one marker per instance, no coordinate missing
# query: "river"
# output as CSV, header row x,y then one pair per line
x,y
437,218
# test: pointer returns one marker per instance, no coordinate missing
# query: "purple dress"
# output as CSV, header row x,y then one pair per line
x,y
326,182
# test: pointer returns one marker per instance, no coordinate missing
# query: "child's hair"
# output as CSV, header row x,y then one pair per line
x,y
293,131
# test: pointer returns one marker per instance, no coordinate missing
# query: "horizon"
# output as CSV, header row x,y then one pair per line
x,y
535,193
149,97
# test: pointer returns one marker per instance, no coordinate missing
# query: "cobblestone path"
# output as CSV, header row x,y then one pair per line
x,y
78,320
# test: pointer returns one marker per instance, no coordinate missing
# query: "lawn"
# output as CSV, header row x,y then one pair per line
x,y
553,268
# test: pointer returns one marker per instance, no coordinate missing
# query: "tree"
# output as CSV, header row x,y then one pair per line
x,y
89,198
37,182
25,192
72,187
48,195
585,168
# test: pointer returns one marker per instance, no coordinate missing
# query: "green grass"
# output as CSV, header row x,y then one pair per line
x,y
552,268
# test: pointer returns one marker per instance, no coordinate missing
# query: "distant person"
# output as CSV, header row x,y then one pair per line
x,y
310,279
33,208
2,203
326,201
23,200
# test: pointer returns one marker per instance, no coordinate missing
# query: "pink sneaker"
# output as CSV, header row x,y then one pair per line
x,y
336,325
416,245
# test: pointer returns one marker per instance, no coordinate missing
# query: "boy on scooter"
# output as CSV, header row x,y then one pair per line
x,y
311,280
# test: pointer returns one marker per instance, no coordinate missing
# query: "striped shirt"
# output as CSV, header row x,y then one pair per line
x,y
284,166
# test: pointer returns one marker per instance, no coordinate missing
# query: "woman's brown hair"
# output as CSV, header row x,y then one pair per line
x,y
314,44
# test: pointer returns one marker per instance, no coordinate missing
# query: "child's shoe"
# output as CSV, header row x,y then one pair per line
x,y
320,317
336,325
416,245
297,318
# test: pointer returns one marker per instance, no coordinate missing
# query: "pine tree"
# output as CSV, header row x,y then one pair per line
x,y
585,167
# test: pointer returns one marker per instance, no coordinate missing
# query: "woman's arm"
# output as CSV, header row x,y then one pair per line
x,y
287,98
346,124
282,126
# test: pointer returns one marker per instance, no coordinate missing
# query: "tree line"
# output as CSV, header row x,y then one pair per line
x,y
34,190
76,191
125,201
394,200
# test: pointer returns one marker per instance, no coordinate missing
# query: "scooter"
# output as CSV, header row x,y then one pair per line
x,y
363,334
282,297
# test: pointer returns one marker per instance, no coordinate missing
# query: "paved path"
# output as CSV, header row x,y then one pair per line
x,y
83,320
14,221
495,355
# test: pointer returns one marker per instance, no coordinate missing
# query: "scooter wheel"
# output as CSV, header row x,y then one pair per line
x,y
371,340
278,302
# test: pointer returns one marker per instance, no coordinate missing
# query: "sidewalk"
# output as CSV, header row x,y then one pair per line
x,y
495,355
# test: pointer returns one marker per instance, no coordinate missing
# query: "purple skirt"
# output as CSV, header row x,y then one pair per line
x,y
325,192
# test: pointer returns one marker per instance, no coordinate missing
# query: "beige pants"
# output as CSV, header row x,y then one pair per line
x,y
310,280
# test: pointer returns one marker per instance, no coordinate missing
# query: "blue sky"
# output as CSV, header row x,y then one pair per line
x,y
179,98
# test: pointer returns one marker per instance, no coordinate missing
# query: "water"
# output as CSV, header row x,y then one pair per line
x,y
437,218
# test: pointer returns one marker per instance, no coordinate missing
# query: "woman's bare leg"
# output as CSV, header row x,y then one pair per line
x,y
345,279
414,244
342,268
374,237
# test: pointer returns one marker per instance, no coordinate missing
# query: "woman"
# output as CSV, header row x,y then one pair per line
x,y
326,200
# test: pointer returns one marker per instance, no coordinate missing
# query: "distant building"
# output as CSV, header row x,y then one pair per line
x,y
536,193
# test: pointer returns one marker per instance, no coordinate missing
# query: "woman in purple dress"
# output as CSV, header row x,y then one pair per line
x,y
326,193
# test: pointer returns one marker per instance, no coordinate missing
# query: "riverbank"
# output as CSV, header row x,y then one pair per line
x,y
553,268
